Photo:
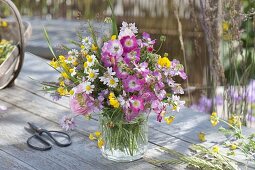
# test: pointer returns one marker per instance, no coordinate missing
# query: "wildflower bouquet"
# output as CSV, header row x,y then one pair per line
x,y
124,79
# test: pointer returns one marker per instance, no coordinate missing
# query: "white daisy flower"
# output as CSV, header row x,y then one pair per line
x,y
71,59
92,74
107,76
110,72
91,59
104,79
73,52
88,87
112,82
87,42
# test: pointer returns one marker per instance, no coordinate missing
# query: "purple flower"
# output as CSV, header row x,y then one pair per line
x,y
114,48
81,104
67,123
106,59
204,105
133,55
142,69
120,73
219,100
136,104
234,94
55,96
177,89
128,43
132,84
147,40
250,92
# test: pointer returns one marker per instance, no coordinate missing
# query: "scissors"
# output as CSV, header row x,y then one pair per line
x,y
38,135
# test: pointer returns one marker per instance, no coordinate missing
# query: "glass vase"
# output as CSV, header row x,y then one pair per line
x,y
123,141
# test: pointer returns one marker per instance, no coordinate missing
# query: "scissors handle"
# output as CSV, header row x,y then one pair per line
x,y
69,141
47,145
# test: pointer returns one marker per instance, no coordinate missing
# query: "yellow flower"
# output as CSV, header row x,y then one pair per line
x,y
71,70
54,63
100,143
169,119
94,48
233,146
214,119
216,149
89,58
91,136
75,63
201,136
113,37
82,47
62,91
65,75
235,121
61,58
85,65
164,62
113,101
225,26
97,133
4,24
71,92
62,83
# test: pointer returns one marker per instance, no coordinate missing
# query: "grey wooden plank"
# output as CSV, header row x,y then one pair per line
x,y
11,163
82,154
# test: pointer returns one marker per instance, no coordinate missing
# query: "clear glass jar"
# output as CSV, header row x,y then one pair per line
x,y
124,142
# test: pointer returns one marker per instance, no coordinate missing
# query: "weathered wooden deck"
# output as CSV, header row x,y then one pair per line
x,y
26,103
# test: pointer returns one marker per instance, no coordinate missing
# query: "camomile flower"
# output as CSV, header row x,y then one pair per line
x,y
110,72
91,59
88,87
73,52
112,82
92,74
107,76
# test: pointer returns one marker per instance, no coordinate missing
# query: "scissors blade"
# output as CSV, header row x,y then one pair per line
x,y
34,127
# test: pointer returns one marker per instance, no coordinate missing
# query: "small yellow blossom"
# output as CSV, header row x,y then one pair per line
x,y
233,146
216,149
113,37
62,83
82,47
75,63
61,58
225,26
201,136
4,24
214,119
169,119
94,48
54,63
164,62
89,58
65,75
62,91
71,92
235,121
100,143
113,101
91,136
85,65
97,133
